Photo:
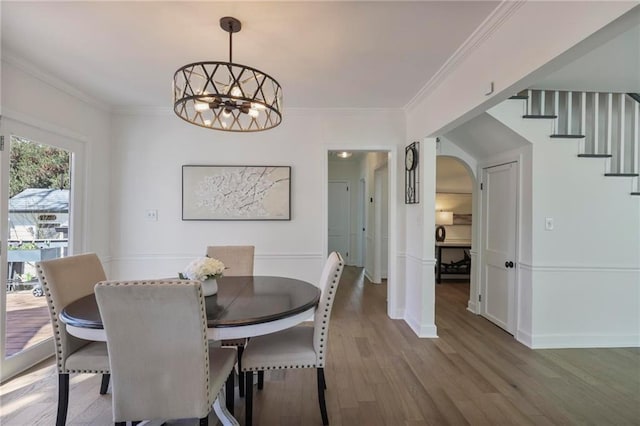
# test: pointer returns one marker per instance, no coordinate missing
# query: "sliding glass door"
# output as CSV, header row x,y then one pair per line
x,y
37,187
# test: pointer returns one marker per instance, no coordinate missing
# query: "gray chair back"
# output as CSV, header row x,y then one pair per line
x,y
65,280
238,260
158,350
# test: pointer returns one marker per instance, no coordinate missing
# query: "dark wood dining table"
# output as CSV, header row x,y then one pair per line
x,y
243,307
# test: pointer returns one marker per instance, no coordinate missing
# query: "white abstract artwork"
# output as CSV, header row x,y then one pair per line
x,y
236,192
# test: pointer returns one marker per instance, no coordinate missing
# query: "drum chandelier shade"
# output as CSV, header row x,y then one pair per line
x,y
227,96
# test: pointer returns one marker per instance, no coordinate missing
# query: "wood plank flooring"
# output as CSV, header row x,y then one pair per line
x,y
379,373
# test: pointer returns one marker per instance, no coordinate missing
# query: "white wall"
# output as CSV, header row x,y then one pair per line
x,y
510,51
35,99
579,282
149,150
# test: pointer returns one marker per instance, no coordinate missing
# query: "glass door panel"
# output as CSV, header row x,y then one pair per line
x,y
38,229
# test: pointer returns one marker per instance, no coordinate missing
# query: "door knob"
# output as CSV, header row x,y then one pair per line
x,y
508,264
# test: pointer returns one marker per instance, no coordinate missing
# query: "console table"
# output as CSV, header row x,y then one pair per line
x,y
440,246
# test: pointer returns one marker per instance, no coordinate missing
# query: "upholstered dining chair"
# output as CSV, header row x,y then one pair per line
x,y
297,347
238,262
65,280
162,364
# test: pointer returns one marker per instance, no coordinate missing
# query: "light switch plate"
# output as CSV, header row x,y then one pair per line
x,y
152,215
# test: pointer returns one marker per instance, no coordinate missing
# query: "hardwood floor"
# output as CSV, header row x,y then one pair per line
x,y
379,373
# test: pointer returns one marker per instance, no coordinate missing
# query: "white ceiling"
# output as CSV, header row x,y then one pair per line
x,y
324,54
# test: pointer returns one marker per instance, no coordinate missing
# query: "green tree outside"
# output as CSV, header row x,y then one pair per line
x,y
37,166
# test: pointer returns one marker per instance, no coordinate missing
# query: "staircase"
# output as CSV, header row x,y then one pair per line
x,y
607,125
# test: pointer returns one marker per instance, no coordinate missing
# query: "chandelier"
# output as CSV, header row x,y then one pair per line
x,y
227,96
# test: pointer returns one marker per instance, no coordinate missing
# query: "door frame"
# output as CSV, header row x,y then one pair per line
x,y
479,278
395,306
16,124
378,182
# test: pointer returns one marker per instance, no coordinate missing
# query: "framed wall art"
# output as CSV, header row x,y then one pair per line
x,y
236,192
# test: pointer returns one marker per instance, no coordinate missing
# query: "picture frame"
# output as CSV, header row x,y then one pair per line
x,y
212,192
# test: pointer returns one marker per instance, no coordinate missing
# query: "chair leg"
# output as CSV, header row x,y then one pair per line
x,y
260,379
204,421
63,399
323,405
229,393
104,385
120,423
240,373
248,400
324,381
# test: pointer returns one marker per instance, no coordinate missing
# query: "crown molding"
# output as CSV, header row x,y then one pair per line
x,y
499,16
22,64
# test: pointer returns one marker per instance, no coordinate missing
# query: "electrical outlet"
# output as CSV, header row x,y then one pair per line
x,y
152,215
548,223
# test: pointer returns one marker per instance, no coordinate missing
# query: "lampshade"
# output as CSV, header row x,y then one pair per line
x,y
227,96
444,218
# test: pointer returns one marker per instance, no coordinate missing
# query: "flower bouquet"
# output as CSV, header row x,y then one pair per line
x,y
206,270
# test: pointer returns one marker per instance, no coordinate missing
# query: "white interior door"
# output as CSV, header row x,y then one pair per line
x,y
499,213
338,218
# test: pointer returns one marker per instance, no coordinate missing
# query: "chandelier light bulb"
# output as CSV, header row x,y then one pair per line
x,y
226,113
235,91
255,105
254,113
207,122
201,106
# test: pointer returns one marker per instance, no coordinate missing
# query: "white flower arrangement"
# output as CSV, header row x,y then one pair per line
x,y
204,268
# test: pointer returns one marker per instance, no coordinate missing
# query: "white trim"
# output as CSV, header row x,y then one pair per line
x,y
12,59
43,125
562,341
524,338
93,334
182,256
578,268
472,307
491,24
162,110
423,262
229,333
422,330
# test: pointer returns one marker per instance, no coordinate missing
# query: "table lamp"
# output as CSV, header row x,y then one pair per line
x,y
443,218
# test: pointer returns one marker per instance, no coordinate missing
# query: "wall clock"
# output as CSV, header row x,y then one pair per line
x,y
411,156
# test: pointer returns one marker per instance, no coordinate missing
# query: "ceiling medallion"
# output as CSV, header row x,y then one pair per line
x,y
227,96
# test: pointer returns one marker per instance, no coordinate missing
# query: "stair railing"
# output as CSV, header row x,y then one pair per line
x,y
608,124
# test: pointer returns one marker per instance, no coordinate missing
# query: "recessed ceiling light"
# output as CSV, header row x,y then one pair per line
x,y
344,154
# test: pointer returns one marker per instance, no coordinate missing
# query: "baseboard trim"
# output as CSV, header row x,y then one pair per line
x,y
472,307
524,338
578,268
422,330
559,341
